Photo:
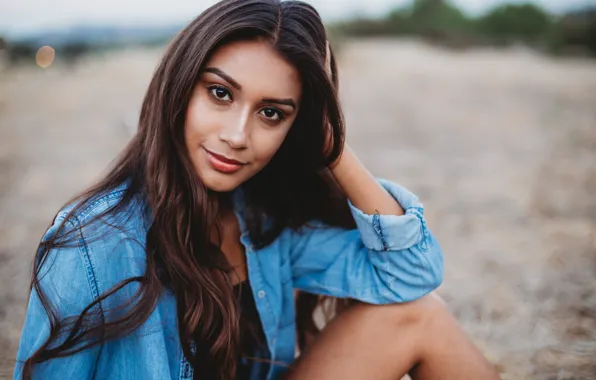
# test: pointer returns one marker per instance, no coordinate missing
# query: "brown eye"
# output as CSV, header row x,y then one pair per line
x,y
220,93
272,114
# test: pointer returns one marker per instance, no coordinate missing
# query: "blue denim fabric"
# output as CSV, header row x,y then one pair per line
x,y
387,259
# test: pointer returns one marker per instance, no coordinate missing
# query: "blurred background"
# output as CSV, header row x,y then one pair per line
x,y
485,109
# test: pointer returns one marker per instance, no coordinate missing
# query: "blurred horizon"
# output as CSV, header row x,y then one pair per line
x,y
457,24
22,19
467,103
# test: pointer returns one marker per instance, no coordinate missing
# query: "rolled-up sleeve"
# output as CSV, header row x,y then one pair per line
x,y
387,259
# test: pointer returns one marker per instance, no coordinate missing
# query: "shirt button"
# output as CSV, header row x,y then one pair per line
x,y
261,293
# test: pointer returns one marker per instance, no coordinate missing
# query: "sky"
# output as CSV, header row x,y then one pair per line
x,y
22,16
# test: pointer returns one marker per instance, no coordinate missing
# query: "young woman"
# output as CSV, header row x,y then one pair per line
x,y
236,191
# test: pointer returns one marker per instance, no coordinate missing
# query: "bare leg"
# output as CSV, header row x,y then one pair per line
x,y
386,342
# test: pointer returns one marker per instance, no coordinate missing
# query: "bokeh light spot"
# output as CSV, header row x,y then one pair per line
x,y
45,56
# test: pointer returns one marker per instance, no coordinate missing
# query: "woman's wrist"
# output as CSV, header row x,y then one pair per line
x,y
361,187
339,165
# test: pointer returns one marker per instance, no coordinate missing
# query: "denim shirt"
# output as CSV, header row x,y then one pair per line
x,y
387,259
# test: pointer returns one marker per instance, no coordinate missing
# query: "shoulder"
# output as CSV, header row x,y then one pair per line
x,y
82,211
98,242
74,267
99,214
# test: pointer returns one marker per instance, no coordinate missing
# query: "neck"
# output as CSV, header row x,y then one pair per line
x,y
225,204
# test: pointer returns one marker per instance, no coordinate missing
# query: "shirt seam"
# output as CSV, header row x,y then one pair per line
x,y
94,287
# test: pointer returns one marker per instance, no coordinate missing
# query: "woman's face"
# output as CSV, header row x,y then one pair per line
x,y
240,112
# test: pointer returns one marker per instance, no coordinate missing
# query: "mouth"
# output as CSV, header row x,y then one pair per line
x,y
222,163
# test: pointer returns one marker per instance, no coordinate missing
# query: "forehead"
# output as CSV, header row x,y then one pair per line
x,y
258,68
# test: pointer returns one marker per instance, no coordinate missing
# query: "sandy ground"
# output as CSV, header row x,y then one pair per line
x,y
500,146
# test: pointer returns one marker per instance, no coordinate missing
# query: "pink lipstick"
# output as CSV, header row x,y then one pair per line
x,y
222,163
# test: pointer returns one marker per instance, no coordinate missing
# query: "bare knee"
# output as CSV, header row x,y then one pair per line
x,y
417,322
396,338
413,323
423,312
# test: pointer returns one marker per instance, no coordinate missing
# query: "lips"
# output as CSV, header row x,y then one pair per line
x,y
222,163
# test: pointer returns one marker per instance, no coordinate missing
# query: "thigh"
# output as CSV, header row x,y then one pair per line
x,y
386,342
360,343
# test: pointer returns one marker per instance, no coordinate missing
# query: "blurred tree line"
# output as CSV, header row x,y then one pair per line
x,y
73,43
442,22
438,21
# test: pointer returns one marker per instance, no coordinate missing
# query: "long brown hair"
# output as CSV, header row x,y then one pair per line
x,y
155,168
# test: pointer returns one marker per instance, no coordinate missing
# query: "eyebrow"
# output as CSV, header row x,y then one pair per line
x,y
224,76
285,102
214,70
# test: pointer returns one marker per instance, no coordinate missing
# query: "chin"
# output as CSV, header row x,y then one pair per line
x,y
220,188
216,183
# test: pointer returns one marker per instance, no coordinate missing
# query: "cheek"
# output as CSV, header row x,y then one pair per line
x,y
198,122
267,143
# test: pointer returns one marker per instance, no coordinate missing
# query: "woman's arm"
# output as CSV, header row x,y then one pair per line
x,y
387,259
390,257
64,281
361,188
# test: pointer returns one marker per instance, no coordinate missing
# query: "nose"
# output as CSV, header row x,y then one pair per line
x,y
234,131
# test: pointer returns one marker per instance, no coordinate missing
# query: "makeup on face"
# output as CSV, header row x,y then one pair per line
x,y
222,163
240,112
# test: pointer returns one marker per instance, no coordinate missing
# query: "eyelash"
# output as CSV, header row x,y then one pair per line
x,y
210,90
